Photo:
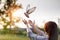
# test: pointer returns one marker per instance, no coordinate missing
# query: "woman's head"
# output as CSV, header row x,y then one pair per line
x,y
51,29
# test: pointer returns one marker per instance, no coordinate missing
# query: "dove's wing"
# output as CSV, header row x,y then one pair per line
x,y
31,10
28,7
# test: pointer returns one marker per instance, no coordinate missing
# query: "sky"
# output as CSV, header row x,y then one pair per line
x,y
46,10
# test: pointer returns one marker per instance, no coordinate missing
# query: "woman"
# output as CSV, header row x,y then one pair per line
x,y
50,29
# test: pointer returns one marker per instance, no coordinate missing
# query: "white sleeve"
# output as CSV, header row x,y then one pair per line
x,y
42,37
29,30
42,33
30,33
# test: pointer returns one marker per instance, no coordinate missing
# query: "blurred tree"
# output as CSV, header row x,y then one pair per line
x,y
6,6
9,7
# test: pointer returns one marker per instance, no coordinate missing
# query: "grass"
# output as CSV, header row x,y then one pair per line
x,y
59,37
13,37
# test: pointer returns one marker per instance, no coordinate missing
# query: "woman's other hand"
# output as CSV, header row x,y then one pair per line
x,y
25,22
31,23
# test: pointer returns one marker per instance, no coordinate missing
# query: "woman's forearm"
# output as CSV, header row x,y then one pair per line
x,y
27,26
35,29
32,24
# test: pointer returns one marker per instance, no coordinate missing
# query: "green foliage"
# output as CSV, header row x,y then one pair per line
x,y
16,31
0,1
58,30
5,26
6,23
7,5
2,12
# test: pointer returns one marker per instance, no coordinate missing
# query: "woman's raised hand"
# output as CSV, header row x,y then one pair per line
x,y
31,23
25,22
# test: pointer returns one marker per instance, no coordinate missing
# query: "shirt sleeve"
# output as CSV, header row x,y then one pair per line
x,y
42,33
30,33
42,37
33,36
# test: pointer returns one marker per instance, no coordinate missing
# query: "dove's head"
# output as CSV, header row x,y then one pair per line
x,y
27,15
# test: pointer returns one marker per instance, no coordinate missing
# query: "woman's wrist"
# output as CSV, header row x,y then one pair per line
x,y
27,26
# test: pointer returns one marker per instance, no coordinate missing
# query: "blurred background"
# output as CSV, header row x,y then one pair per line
x,y
12,14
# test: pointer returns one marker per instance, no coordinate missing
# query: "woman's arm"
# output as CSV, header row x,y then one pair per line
x,y
35,29
29,31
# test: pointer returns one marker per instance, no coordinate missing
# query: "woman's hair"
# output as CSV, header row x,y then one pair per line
x,y
51,29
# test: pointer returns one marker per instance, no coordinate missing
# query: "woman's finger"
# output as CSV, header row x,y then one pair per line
x,y
25,22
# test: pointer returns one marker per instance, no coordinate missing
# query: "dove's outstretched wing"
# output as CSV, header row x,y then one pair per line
x,y
28,7
31,10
